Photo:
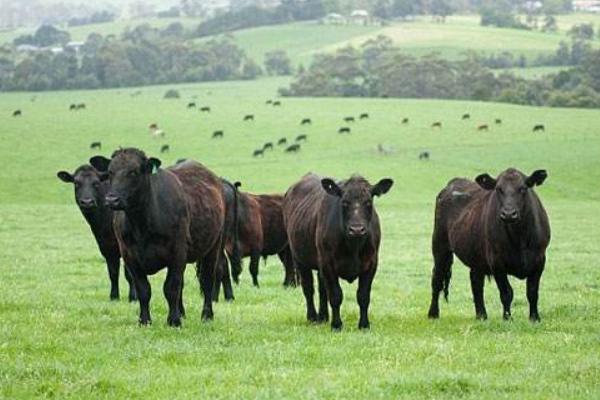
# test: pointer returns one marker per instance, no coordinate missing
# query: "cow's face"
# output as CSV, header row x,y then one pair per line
x,y
511,189
88,186
128,172
356,202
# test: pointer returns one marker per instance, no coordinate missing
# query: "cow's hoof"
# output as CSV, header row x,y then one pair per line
x,y
207,315
144,322
535,318
174,322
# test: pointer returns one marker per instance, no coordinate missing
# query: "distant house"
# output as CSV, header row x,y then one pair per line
x,y
74,45
532,6
360,17
586,5
334,19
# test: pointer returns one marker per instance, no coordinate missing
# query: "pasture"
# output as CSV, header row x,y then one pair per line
x,y
61,337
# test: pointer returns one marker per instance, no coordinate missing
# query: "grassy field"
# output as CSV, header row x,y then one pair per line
x,y
61,337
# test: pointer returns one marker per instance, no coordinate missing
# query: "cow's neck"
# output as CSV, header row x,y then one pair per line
x,y
139,214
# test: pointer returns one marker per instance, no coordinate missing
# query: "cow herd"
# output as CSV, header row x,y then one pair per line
x,y
155,218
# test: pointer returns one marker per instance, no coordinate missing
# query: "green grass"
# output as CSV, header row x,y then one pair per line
x,y
61,337
532,72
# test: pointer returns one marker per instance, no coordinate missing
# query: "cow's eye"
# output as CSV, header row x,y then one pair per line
x,y
500,191
522,190
132,173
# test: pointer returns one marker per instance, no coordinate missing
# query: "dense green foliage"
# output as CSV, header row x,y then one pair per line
x,y
44,36
379,69
61,337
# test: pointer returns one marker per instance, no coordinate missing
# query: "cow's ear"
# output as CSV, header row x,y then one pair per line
x,y
536,178
65,176
486,181
103,176
152,165
382,187
100,163
331,187
237,184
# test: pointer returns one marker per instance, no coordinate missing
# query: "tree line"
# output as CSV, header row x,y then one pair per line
x,y
379,69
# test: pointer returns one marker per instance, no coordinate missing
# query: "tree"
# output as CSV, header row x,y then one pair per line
x,y
383,9
549,24
582,31
441,8
277,62
404,8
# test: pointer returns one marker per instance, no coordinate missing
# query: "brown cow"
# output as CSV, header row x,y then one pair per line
x,y
167,218
334,228
261,233
496,227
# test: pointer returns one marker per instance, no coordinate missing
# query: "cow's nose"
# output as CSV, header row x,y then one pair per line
x,y
87,202
509,215
357,230
112,200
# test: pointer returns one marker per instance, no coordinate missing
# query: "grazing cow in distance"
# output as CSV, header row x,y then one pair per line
x,y
348,119
258,152
205,109
498,121
301,138
466,116
404,121
277,103
483,127
269,102
191,105
73,107
424,155
217,134
96,145
344,129
364,116
81,106
165,148
17,113
382,150
261,233
539,127
89,196
306,121
294,148
168,218
333,227
437,124
268,146
158,133
496,227
153,126
249,117
281,141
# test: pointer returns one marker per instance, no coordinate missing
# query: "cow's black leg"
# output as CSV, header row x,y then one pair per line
x,y
440,279
144,292
363,297
533,286
129,277
113,265
226,279
477,282
181,307
506,293
290,272
172,290
309,292
335,296
323,310
218,280
254,261
205,271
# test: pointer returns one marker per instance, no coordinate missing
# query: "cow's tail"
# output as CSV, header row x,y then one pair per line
x,y
236,259
446,282
264,257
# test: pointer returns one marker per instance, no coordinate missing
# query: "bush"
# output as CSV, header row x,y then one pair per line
x,y
171,94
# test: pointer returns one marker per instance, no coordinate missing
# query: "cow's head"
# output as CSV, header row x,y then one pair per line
x,y
356,202
129,173
86,180
511,189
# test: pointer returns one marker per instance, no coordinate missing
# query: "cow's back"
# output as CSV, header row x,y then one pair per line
x,y
274,234
301,205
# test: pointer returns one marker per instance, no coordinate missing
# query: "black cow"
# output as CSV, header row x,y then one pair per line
x,y
89,196
167,218
205,109
344,129
404,121
306,121
334,228
483,127
282,141
81,106
437,124
269,102
424,155
498,121
249,117
73,107
496,227
277,103
191,105
217,134
268,146
301,138
294,148
258,152
364,116
349,119
17,113
539,127
466,116
165,148
96,145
